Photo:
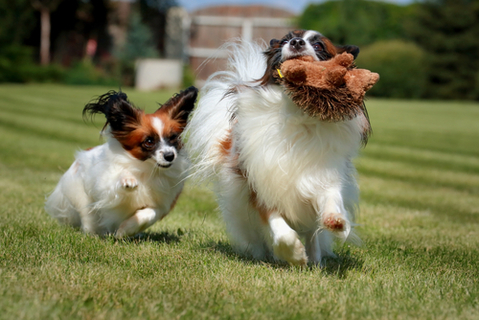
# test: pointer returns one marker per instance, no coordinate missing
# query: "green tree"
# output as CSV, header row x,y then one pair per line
x,y
17,20
154,13
139,44
400,65
45,7
139,41
448,31
358,22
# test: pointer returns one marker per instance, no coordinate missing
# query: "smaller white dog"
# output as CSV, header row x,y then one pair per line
x,y
133,180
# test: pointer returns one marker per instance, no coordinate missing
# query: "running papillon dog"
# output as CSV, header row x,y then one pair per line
x,y
284,180
133,180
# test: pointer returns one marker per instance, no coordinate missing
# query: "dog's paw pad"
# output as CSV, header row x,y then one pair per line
x,y
334,222
129,183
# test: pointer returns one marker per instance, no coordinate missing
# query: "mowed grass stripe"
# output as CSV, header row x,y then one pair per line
x,y
42,112
71,99
420,229
462,144
420,175
63,109
419,116
419,157
434,126
457,207
49,128
38,150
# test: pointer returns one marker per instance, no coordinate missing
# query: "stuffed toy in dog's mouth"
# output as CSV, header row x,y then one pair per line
x,y
331,90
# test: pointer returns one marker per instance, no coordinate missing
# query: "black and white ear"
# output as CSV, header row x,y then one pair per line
x,y
180,105
274,43
116,108
354,50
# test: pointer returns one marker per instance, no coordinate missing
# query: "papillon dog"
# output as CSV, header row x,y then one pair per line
x,y
282,178
133,180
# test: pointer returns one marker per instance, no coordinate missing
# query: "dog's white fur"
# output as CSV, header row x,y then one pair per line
x,y
298,167
108,191
134,179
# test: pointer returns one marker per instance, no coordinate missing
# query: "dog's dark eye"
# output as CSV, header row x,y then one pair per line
x,y
318,46
173,136
149,143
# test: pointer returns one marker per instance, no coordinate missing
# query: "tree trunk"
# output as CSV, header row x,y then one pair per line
x,y
45,36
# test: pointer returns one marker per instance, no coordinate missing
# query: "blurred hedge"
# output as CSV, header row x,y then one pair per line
x,y
17,65
401,66
85,73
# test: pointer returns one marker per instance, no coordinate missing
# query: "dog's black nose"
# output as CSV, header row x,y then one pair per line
x,y
297,43
169,156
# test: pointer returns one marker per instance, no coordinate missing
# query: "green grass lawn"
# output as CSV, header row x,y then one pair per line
x,y
419,179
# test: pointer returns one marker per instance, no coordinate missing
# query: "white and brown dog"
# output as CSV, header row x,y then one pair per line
x,y
280,175
133,180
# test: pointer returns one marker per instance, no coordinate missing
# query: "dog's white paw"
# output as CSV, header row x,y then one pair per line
x,y
121,233
289,248
129,183
128,228
141,220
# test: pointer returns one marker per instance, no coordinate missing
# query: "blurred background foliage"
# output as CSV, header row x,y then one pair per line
x,y
74,23
427,49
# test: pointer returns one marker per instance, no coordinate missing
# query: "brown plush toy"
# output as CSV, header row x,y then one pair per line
x,y
331,90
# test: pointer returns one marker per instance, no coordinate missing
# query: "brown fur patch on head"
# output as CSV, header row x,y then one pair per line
x,y
329,46
172,129
134,130
139,138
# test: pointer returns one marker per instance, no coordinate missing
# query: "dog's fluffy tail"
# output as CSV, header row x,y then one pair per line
x,y
214,114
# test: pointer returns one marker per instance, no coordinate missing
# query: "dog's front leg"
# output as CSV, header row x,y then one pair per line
x,y
128,180
334,216
141,220
286,245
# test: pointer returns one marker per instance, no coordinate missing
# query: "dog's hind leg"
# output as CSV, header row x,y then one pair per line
x,y
243,223
318,245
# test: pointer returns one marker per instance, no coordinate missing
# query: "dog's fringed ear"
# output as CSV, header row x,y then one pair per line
x,y
354,50
180,105
119,112
274,43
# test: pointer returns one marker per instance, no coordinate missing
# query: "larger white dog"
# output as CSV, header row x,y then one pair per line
x,y
280,175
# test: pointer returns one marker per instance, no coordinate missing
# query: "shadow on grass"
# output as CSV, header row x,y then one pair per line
x,y
162,237
341,264
338,266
